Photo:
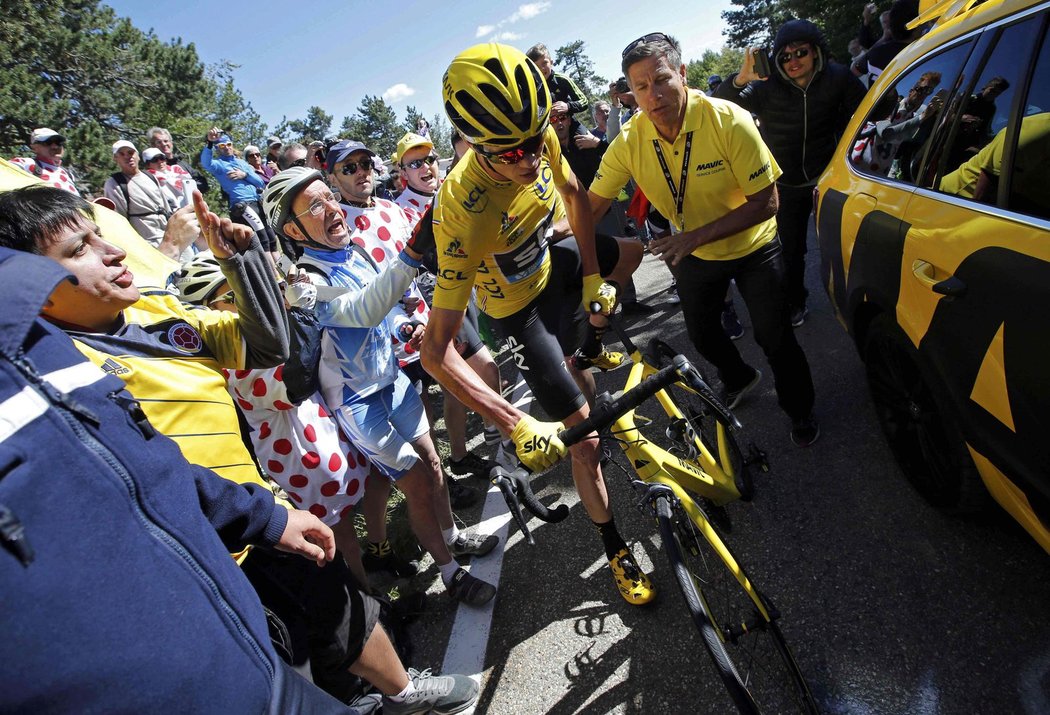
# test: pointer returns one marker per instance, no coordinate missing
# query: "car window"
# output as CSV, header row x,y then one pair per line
x,y
893,136
978,137
1029,181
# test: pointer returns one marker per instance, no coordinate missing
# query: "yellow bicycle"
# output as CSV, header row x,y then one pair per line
x,y
686,487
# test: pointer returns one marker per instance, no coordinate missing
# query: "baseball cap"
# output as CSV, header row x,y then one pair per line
x,y
713,79
410,141
118,145
43,134
272,141
343,149
151,154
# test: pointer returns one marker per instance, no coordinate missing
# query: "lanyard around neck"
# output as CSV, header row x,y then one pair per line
x,y
677,192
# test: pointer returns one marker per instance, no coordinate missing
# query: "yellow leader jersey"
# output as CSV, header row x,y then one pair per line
x,y
494,235
727,162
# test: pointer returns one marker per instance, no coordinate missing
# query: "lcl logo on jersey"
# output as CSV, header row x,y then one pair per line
x,y
544,187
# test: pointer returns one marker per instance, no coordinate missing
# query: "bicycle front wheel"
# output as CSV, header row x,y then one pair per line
x,y
747,647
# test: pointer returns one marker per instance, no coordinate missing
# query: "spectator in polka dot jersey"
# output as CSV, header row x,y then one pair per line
x,y
296,440
372,399
48,146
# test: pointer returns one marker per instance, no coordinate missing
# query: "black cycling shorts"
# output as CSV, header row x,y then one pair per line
x,y
468,339
548,329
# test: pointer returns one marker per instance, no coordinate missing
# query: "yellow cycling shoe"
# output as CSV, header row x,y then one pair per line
x,y
631,581
606,361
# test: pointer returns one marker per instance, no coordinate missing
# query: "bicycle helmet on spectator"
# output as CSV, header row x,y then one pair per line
x,y
281,192
495,95
199,279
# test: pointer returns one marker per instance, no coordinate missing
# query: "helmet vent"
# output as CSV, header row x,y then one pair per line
x,y
494,66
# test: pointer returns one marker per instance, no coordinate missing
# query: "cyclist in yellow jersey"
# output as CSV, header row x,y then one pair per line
x,y
512,221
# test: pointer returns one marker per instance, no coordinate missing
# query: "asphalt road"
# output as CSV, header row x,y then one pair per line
x,y
890,607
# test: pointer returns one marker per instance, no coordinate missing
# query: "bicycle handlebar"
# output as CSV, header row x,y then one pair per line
x,y
517,491
604,415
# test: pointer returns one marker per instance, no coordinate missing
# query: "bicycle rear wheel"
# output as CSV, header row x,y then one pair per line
x,y
748,649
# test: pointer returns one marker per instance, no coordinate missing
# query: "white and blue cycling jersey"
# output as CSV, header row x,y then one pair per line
x,y
357,356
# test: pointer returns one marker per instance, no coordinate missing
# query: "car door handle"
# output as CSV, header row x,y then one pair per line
x,y
927,274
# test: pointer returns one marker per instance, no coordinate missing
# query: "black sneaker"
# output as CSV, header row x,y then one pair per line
x,y
460,496
805,432
387,560
470,466
470,590
731,323
735,397
798,316
473,544
440,694
635,308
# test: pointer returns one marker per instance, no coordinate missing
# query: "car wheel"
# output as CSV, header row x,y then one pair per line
x,y
924,438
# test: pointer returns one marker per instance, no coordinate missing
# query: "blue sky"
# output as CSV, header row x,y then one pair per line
x,y
332,53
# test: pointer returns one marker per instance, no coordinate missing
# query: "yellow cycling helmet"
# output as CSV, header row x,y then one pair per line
x,y
494,94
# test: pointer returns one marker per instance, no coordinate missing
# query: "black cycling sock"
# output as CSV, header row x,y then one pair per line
x,y
592,342
611,539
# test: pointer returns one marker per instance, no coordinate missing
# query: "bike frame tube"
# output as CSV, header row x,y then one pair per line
x,y
697,517
649,459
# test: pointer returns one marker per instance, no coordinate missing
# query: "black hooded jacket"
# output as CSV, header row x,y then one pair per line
x,y
801,126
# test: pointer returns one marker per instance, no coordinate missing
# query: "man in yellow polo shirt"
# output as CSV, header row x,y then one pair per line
x,y
704,167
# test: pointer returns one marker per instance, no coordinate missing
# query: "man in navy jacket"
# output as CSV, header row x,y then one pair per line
x,y
119,591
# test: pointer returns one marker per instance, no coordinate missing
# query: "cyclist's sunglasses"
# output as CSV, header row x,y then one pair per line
x,y
350,168
785,57
420,163
651,37
532,145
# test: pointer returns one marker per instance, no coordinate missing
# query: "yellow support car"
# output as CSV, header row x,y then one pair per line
x,y
934,229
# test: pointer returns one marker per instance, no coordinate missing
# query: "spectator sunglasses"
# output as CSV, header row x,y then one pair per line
x,y
350,168
532,145
420,163
651,37
785,56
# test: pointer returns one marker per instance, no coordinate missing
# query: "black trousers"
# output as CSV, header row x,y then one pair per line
x,y
759,277
796,205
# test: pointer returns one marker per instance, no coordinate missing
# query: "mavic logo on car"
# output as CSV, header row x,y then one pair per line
x,y
709,167
455,249
756,174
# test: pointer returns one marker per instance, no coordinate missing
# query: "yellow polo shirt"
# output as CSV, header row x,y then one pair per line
x,y
728,162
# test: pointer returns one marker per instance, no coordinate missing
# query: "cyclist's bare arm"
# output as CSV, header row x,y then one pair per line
x,y
599,205
447,366
581,222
